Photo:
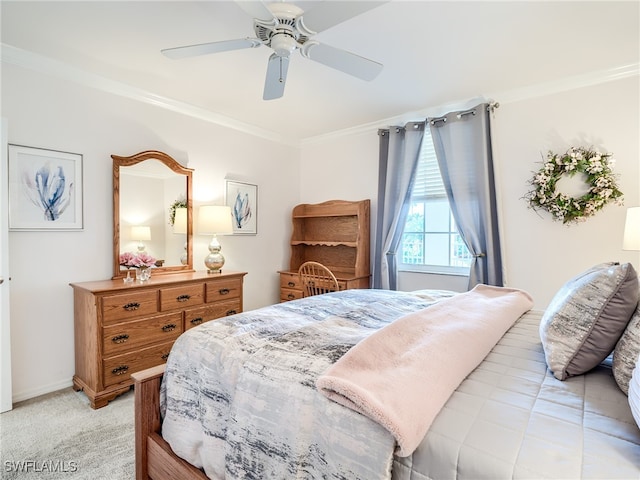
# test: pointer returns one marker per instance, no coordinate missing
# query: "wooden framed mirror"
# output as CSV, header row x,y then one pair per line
x,y
146,188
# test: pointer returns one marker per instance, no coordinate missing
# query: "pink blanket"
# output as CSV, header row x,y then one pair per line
x,y
403,374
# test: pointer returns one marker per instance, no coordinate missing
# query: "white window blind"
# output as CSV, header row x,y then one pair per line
x,y
428,182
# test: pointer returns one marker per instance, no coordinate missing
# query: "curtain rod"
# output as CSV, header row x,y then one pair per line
x,y
491,107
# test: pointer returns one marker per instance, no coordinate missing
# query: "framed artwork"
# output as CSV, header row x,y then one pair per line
x,y
243,200
45,189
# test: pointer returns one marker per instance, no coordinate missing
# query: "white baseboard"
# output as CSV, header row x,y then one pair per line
x,y
53,387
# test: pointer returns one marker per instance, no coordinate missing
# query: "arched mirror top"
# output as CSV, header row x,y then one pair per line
x,y
152,211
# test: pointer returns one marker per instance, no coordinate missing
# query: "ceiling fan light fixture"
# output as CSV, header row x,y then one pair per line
x,y
283,44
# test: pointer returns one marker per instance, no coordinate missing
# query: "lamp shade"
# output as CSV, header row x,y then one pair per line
x,y
180,220
140,232
631,239
214,220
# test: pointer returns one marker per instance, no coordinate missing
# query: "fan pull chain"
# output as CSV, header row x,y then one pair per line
x,y
281,80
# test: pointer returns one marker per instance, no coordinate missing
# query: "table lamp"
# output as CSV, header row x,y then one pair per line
x,y
631,240
141,233
214,220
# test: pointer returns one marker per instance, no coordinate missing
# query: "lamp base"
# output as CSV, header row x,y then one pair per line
x,y
215,260
183,257
214,263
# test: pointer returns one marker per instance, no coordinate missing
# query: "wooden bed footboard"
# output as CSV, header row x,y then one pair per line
x,y
154,458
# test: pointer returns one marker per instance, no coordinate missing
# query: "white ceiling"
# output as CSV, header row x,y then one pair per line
x,y
434,54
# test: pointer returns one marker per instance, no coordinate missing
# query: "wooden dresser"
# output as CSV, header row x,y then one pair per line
x,y
121,328
334,233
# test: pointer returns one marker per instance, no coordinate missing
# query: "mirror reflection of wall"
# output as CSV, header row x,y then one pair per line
x,y
145,198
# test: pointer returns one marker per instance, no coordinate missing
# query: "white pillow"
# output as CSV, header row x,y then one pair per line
x,y
634,393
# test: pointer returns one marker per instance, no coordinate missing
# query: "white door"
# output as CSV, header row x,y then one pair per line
x,y
5,335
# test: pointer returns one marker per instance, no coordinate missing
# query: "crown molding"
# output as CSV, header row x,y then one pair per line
x,y
510,96
40,63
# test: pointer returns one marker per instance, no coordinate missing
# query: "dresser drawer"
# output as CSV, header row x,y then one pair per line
x,y
174,298
287,294
123,337
116,308
290,281
119,368
198,316
225,309
223,289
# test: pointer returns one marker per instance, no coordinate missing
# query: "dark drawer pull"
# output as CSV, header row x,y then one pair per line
x,y
131,306
121,370
231,312
183,298
169,327
291,284
165,356
291,296
223,291
120,338
197,320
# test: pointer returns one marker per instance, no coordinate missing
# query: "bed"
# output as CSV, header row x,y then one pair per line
x,y
510,417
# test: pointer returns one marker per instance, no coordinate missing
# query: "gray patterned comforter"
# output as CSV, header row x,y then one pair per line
x,y
239,397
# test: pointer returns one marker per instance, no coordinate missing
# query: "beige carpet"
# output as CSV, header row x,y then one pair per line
x,y
59,436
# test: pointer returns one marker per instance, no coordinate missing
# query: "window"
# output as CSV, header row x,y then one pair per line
x,y
430,240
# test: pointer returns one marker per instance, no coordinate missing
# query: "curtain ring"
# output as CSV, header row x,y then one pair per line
x,y
462,114
479,255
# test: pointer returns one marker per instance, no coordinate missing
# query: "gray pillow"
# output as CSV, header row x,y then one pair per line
x,y
626,352
587,317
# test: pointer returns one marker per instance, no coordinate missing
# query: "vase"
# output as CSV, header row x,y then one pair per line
x,y
128,278
143,274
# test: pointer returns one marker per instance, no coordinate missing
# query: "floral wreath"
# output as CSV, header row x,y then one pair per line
x,y
602,185
178,203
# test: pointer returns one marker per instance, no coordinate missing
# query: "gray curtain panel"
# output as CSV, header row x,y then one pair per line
x,y
462,142
399,152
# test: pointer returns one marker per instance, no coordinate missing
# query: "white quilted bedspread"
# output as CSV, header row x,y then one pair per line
x,y
512,419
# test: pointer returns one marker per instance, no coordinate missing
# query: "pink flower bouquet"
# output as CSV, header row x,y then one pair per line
x,y
127,260
143,260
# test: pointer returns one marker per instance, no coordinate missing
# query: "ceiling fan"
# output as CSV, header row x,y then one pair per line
x,y
285,28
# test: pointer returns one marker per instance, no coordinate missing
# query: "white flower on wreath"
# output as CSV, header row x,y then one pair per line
x,y
595,165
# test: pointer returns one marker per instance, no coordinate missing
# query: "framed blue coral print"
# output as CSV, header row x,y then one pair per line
x,y
45,189
243,200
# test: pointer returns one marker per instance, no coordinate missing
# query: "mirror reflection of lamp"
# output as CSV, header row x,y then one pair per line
x,y
214,220
180,227
141,233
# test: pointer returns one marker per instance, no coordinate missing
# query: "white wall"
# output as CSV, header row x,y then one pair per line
x,y
56,114
540,254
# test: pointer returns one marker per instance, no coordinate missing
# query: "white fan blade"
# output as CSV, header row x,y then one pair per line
x,y
212,47
342,60
256,10
276,77
330,13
